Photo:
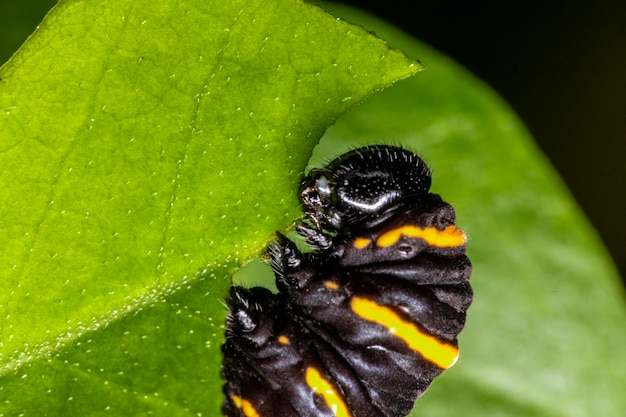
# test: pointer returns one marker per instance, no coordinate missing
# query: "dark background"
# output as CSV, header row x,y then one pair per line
x,y
561,65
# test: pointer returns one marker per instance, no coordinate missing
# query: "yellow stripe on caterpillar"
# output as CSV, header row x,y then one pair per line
x,y
244,405
450,237
321,386
439,353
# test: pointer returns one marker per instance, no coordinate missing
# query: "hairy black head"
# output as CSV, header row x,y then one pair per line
x,y
362,184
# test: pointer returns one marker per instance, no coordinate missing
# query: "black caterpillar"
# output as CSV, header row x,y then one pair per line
x,y
362,325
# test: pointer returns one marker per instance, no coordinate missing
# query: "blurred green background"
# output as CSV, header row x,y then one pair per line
x,y
559,64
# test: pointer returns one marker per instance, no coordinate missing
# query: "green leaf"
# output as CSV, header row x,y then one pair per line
x,y
147,150
546,335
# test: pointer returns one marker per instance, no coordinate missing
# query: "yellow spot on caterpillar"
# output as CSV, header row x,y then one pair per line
x,y
450,237
441,354
321,386
331,285
361,242
244,405
283,339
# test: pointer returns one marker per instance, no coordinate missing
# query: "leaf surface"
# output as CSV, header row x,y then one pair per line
x,y
148,149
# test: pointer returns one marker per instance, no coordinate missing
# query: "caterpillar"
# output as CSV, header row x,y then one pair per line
x,y
361,325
